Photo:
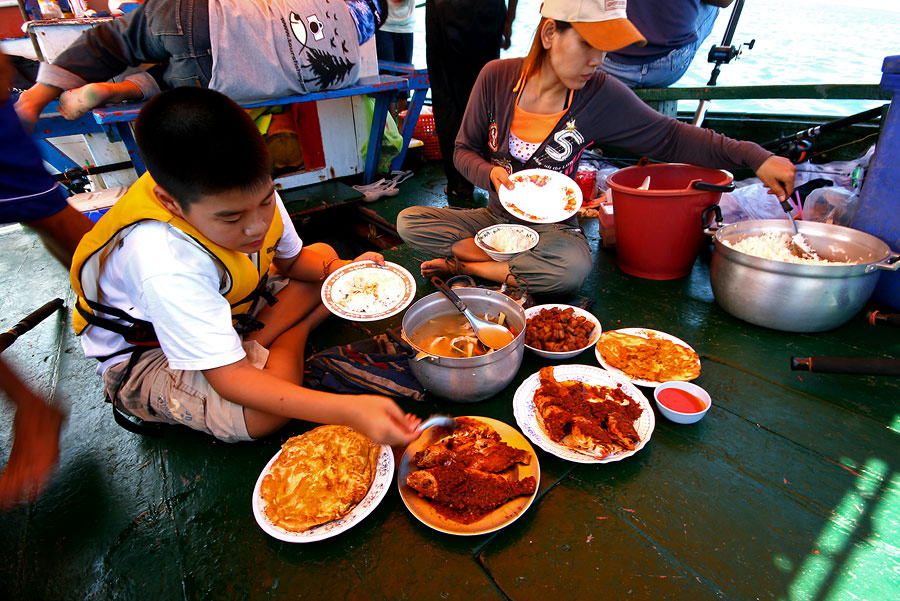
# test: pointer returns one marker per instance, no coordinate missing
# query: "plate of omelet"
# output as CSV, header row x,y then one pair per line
x,y
321,483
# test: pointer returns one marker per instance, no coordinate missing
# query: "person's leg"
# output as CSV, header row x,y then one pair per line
x,y
61,232
460,38
559,263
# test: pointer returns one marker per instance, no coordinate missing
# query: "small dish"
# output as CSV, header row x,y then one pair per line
x,y
557,355
686,416
484,238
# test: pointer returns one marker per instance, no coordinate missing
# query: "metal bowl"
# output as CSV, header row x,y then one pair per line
x,y
468,379
798,297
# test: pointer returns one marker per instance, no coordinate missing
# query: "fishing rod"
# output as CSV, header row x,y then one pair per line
x,y
796,146
722,54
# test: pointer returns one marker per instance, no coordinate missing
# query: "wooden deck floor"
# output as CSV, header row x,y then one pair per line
x,y
789,489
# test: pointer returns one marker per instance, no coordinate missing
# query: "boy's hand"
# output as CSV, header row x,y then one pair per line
x,y
381,419
34,453
369,256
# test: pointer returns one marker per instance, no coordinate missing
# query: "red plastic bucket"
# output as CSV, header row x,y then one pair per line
x,y
659,231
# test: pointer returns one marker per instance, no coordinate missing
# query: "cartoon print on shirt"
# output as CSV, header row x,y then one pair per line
x,y
505,163
566,137
327,69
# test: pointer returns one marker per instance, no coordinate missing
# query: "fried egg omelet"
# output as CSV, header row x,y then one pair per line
x,y
319,477
652,359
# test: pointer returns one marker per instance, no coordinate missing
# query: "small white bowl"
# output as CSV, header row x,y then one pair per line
x,y
677,416
595,334
501,256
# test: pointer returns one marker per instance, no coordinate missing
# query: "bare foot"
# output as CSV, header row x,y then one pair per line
x,y
79,101
441,268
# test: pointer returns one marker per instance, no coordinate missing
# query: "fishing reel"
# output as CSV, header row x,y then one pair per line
x,y
796,151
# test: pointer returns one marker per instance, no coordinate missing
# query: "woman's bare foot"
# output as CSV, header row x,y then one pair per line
x,y
442,268
79,101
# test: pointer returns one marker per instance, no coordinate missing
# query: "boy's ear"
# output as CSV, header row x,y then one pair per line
x,y
168,201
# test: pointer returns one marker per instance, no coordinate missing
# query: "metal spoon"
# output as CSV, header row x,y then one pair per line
x,y
491,335
437,420
799,246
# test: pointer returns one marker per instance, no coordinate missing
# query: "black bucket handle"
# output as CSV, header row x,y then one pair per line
x,y
707,187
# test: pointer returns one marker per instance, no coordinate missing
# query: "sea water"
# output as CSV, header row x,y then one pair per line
x,y
796,42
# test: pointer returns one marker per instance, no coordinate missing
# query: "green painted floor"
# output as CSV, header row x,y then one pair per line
x,y
789,489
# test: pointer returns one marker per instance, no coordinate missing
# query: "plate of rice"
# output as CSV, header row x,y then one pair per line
x,y
504,241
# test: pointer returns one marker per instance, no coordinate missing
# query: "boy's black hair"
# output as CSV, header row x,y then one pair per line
x,y
197,141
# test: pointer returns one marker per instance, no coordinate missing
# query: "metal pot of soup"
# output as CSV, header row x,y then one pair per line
x,y
447,361
794,297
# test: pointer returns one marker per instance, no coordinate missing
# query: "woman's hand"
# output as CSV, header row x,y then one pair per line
x,y
777,173
499,177
381,419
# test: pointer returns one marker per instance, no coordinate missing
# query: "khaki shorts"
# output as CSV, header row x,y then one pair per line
x,y
156,393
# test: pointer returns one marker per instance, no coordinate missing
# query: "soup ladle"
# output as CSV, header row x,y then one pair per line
x,y
491,335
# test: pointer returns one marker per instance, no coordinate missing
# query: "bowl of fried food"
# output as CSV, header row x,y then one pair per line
x,y
560,331
504,241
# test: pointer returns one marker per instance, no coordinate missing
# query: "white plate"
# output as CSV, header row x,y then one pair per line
x,y
504,515
541,196
643,333
384,473
366,291
526,415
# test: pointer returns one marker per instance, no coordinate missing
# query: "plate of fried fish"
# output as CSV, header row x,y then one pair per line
x,y
584,414
475,478
647,357
321,483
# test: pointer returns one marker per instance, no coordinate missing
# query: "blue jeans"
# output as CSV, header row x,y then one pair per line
x,y
668,69
158,31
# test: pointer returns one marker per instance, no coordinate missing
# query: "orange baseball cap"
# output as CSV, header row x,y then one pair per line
x,y
602,23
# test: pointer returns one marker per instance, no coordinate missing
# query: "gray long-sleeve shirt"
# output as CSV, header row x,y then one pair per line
x,y
605,111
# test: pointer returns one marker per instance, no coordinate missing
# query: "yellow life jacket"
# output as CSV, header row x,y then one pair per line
x,y
244,277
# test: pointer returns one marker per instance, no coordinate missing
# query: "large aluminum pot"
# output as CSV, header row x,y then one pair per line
x,y
474,378
797,297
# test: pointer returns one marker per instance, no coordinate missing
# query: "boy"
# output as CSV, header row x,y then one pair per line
x,y
181,257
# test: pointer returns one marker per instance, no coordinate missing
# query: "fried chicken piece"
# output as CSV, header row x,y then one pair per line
x,y
475,445
471,491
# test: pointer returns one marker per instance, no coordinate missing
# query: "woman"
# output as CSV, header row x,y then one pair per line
x,y
543,111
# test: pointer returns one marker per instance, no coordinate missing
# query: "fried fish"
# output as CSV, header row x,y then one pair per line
x,y
475,445
466,495
319,477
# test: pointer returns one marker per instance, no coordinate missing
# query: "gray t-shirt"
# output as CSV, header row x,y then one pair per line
x,y
272,48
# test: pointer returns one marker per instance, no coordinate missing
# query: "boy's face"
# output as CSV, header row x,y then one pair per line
x,y
237,220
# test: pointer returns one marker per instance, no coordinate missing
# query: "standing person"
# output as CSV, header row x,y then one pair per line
x,y
543,111
30,195
674,29
461,36
247,50
394,40
183,260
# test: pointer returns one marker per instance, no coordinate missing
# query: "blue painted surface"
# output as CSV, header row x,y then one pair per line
x,y
878,212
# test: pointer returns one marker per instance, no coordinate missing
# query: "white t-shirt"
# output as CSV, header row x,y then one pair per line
x,y
177,287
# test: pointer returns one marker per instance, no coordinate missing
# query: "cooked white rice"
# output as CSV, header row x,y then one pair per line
x,y
775,246
509,240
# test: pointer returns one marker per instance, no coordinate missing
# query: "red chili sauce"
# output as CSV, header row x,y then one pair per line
x,y
680,400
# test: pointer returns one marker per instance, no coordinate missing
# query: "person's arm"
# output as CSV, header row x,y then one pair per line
x,y
35,448
377,417
470,148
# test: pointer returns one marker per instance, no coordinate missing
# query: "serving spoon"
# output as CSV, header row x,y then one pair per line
x,y
799,246
492,335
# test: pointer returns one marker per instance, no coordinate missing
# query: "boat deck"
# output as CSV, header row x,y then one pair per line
x,y
788,489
